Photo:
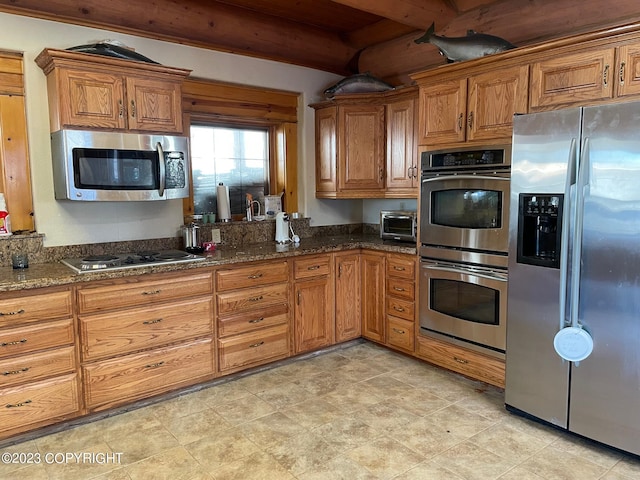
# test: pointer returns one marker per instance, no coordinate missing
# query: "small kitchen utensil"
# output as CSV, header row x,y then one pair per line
x,y
282,228
191,236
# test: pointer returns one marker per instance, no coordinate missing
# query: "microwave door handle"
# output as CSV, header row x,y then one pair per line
x,y
163,173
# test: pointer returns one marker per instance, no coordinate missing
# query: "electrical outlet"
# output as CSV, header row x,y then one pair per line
x,y
215,235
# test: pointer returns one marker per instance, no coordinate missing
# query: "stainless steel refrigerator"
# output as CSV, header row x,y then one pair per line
x,y
573,325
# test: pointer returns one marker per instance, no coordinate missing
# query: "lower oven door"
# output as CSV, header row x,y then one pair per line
x,y
467,303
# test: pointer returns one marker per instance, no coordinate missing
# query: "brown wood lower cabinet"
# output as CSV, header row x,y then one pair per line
x,y
35,404
372,270
313,298
253,315
461,360
348,296
123,379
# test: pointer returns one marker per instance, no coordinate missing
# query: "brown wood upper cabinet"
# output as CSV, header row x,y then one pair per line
x,y
365,146
587,76
95,92
476,106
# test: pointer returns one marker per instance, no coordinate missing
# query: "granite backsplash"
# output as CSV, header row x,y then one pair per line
x,y
235,234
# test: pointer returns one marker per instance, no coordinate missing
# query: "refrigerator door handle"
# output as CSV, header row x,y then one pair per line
x,y
581,185
564,242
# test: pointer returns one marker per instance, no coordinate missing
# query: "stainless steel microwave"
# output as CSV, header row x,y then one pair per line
x,y
398,225
114,166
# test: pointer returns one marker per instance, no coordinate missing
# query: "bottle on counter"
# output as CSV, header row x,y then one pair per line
x,y
5,221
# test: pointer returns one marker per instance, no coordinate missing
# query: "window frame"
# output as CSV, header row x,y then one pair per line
x,y
213,102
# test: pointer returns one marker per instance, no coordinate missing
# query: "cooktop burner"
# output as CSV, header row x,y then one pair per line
x,y
95,263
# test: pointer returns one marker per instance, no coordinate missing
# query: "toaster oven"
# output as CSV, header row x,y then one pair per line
x,y
399,225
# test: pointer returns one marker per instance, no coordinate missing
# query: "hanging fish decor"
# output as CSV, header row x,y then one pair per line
x,y
358,83
473,45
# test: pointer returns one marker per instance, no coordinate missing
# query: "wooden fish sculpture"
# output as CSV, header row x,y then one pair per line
x,y
474,45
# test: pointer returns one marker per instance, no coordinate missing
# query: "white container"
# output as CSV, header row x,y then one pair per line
x,y
272,205
5,220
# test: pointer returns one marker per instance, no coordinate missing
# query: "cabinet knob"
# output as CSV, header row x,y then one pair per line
x,y
470,120
622,73
605,75
133,109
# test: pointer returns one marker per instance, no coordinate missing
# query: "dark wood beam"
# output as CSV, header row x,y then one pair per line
x,y
415,13
210,25
521,22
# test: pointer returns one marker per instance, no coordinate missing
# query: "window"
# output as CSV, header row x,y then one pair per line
x,y
236,156
211,106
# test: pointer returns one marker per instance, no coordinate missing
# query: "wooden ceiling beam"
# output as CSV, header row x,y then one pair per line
x,y
379,32
415,13
208,24
521,22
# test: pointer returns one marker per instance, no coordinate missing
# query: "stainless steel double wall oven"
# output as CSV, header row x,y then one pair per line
x,y
464,239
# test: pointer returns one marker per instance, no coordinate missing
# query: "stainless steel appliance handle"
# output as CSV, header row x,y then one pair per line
x,y
581,185
488,275
163,173
464,177
566,218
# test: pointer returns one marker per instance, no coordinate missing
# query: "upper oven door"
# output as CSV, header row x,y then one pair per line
x,y
465,211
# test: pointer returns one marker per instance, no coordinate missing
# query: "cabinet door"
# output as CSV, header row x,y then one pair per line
x,y
402,161
154,105
326,155
572,79
91,99
348,313
313,314
494,97
361,147
372,288
443,109
628,70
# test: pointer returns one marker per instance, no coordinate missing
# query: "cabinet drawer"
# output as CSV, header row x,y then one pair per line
x,y
252,299
126,378
404,267
136,329
256,347
139,292
252,276
399,287
311,267
400,333
461,360
36,366
246,322
37,402
19,340
31,308
400,308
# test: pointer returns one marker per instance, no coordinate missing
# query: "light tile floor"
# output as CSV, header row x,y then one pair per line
x,y
361,412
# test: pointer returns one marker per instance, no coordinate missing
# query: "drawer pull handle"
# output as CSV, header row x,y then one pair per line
x,y
133,109
151,292
15,372
313,267
254,345
622,73
461,360
398,289
398,309
397,330
154,365
256,320
151,322
15,342
256,299
253,277
14,405
605,75
12,313
400,269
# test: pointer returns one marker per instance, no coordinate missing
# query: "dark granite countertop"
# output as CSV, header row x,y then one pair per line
x,y
53,274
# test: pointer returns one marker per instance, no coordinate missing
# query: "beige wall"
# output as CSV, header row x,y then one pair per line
x,y
70,223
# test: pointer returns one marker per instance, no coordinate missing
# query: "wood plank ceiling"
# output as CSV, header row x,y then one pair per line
x,y
340,36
